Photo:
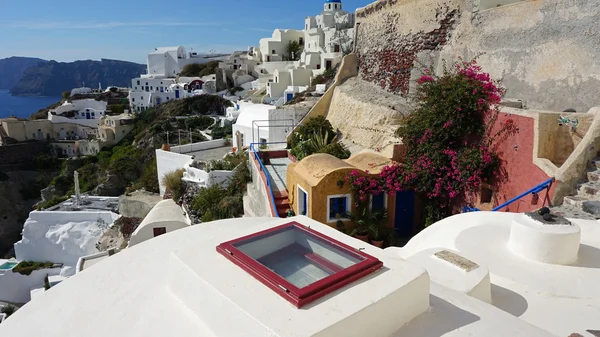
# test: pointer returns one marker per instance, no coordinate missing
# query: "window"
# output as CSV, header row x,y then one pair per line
x,y
138,82
378,202
485,194
301,42
298,263
302,201
336,48
338,207
159,231
273,51
318,66
133,99
263,141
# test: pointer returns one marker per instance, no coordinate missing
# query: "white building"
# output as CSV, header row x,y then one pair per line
x,y
164,218
324,41
160,84
83,109
206,281
263,123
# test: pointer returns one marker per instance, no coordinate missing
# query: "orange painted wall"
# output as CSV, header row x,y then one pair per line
x,y
518,171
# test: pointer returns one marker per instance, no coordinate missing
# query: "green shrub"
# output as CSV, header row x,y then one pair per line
x,y
200,122
319,79
172,182
200,70
52,202
233,90
8,309
27,267
222,132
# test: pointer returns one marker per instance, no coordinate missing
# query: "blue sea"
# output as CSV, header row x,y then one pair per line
x,y
22,106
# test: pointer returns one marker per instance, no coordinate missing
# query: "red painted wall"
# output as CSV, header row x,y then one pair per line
x,y
518,172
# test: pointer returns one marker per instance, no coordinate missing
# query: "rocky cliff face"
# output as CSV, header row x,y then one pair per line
x,y
16,201
12,69
53,78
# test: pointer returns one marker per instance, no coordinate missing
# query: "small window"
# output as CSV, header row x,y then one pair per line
x,y
159,231
378,202
298,263
273,51
138,82
263,141
485,194
301,41
302,201
338,207
318,66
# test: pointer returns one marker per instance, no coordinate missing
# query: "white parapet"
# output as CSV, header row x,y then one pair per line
x,y
450,269
547,243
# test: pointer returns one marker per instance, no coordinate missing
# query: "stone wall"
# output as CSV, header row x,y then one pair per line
x,y
546,51
21,153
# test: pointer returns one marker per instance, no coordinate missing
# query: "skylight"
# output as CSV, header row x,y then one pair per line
x,y
300,264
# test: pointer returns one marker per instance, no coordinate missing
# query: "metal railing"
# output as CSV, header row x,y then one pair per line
x,y
546,185
266,172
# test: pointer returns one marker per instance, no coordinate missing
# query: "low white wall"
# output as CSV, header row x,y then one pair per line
x,y
16,288
168,162
61,237
92,123
211,144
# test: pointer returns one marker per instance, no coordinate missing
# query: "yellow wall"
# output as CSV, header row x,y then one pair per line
x,y
317,195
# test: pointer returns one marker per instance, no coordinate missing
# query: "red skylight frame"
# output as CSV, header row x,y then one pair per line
x,y
301,296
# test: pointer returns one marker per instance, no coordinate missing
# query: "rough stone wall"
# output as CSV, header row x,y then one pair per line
x,y
21,153
547,52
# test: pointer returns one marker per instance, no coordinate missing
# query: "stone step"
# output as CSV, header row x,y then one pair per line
x,y
574,201
572,213
593,175
595,163
592,207
590,189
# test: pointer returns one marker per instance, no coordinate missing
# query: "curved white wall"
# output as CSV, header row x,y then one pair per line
x,y
554,244
165,214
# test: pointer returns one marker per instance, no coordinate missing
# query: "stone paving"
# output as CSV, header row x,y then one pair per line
x,y
277,170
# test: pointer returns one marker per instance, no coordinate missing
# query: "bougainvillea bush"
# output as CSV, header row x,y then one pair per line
x,y
448,140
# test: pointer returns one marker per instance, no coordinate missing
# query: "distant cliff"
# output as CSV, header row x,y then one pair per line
x,y
12,69
53,78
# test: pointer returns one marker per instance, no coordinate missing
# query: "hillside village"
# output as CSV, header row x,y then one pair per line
x,y
423,168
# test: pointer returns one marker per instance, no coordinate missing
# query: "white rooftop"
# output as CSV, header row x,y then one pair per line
x,y
177,284
250,112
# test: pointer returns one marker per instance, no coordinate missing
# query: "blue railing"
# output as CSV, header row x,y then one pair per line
x,y
266,172
546,185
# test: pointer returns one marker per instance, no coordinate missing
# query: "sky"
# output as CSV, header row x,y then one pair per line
x,y
69,30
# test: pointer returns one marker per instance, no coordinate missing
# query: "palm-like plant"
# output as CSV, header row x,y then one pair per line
x,y
378,229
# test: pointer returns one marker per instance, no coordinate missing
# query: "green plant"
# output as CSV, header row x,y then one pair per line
x,y
200,122
46,283
172,182
66,94
27,267
378,229
8,309
52,202
233,90
293,50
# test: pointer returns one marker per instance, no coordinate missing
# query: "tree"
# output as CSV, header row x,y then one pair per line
x,y
293,50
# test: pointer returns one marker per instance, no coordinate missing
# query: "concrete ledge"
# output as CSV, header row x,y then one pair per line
x,y
451,269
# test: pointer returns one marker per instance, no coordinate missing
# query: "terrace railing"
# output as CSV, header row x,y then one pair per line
x,y
546,185
255,149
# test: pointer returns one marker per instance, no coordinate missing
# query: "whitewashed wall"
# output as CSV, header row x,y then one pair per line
x,y
168,162
16,288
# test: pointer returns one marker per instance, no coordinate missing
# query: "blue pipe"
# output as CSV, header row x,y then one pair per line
x,y
536,189
263,168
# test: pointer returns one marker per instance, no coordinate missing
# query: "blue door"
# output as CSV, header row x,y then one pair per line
x,y
176,93
157,100
87,115
405,213
290,96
